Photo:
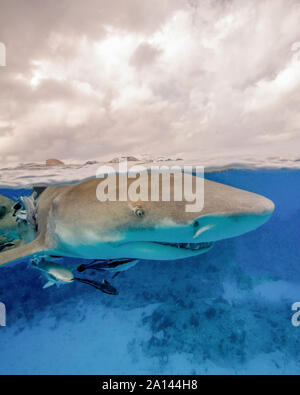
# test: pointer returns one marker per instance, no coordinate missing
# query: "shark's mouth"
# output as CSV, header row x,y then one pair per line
x,y
189,246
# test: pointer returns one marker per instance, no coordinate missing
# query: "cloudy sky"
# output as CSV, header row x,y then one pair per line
x,y
97,78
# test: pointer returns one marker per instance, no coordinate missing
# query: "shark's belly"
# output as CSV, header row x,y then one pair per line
x,y
93,244
116,250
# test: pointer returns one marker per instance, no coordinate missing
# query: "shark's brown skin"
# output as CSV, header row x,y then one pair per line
x,y
72,222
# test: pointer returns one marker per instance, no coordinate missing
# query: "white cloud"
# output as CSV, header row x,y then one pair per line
x,y
173,76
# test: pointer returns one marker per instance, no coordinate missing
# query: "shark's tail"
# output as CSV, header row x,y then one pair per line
x,y
21,252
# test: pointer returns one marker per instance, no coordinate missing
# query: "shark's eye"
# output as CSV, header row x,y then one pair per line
x,y
139,212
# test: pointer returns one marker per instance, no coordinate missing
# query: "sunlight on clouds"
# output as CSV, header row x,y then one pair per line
x,y
222,28
266,93
76,116
4,124
215,77
174,38
115,51
93,63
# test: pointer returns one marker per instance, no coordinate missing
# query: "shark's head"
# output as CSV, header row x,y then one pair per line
x,y
163,230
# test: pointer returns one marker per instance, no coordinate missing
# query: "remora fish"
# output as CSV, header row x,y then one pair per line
x,y
58,274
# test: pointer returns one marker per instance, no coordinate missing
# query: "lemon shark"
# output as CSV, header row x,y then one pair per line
x,y
59,274
72,222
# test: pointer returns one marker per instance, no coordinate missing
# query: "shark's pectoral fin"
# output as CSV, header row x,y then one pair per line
x,y
48,284
21,252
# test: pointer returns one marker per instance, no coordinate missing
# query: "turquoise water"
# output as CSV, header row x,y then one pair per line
x,y
228,311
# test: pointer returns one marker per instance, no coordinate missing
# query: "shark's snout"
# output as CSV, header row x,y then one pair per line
x,y
247,212
255,204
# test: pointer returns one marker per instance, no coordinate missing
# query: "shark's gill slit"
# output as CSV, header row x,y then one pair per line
x,y
202,230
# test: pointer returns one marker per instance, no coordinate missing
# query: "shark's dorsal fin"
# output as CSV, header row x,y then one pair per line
x,y
21,252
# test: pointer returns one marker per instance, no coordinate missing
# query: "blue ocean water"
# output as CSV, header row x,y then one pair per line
x,y
228,311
